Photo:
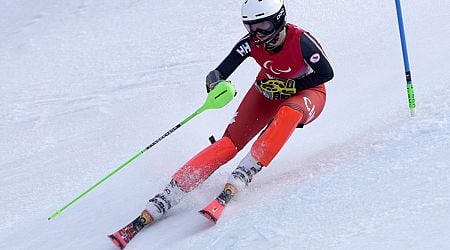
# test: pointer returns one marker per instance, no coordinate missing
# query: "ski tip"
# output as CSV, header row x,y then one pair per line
x,y
208,216
116,242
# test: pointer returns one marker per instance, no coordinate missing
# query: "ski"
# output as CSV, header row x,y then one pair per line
x,y
214,209
124,235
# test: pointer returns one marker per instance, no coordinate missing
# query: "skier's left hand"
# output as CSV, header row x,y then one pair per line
x,y
276,89
212,79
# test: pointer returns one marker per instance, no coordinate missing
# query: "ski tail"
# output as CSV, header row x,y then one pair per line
x,y
117,240
214,210
123,236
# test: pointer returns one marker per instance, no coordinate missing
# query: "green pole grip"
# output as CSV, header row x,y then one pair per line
x,y
221,95
412,101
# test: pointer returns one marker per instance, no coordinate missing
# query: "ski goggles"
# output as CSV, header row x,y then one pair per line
x,y
264,28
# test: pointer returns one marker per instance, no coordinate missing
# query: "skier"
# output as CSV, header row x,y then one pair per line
x,y
288,92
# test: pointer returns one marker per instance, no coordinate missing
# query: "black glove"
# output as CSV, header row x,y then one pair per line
x,y
212,79
276,89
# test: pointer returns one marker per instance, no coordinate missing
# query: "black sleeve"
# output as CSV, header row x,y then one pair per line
x,y
239,53
316,59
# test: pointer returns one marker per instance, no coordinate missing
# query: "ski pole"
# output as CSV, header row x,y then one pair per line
x,y
409,85
220,96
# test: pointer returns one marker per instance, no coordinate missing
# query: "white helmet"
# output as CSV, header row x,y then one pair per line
x,y
264,19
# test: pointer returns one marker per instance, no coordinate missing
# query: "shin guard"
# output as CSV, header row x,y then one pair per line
x,y
199,168
277,133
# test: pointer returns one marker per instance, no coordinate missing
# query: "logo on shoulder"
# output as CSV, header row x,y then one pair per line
x,y
244,49
315,58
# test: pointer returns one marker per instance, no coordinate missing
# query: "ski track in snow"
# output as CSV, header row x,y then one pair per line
x,y
85,84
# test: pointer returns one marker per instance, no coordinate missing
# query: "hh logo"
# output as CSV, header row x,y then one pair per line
x,y
244,49
310,107
268,65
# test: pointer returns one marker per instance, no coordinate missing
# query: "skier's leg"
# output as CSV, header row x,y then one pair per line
x,y
241,130
201,166
301,109
265,147
190,175
253,114
276,135
245,125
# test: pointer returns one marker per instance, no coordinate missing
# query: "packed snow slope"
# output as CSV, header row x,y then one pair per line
x,y
85,85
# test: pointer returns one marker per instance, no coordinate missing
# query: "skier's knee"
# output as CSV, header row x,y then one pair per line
x,y
267,146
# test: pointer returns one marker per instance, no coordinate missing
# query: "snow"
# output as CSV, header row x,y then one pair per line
x,y
85,85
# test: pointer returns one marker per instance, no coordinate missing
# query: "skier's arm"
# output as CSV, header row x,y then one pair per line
x,y
316,59
237,55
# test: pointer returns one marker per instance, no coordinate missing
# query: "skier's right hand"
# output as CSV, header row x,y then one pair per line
x,y
212,79
276,89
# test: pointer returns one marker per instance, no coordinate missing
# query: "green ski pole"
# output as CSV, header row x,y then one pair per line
x,y
220,96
